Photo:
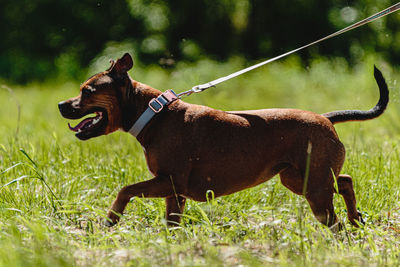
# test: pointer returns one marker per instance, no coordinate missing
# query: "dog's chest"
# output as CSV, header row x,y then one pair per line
x,y
151,166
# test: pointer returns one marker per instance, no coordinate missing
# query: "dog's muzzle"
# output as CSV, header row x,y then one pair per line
x,y
67,111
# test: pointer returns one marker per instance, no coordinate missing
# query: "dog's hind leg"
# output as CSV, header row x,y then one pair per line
x,y
345,186
175,206
159,186
321,203
320,198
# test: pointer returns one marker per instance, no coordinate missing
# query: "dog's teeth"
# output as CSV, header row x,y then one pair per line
x,y
97,118
95,121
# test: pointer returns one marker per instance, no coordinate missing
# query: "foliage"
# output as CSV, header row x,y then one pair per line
x,y
45,39
266,225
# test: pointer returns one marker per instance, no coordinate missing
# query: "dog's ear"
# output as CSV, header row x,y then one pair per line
x,y
123,64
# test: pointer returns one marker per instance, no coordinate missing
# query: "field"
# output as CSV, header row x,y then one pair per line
x,y
55,190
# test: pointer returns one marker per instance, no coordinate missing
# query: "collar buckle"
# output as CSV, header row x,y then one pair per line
x,y
155,105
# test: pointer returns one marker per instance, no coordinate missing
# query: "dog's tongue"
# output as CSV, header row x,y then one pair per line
x,y
82,124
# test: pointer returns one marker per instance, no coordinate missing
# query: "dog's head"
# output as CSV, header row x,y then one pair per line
x,y
101,96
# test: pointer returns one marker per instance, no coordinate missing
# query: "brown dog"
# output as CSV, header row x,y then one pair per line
x,y
191,149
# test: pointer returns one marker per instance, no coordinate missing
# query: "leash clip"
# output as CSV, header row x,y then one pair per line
x,y
202,87
186,93
196,89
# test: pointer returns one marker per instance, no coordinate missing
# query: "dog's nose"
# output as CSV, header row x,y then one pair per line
x,y
61,106
66,108
68,111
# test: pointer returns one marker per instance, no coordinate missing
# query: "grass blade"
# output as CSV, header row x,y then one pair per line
x,y
15,180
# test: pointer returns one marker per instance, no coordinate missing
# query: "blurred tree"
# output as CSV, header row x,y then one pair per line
x,y
43,38
36,34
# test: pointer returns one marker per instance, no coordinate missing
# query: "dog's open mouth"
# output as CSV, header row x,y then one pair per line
x,y
91,126
87,123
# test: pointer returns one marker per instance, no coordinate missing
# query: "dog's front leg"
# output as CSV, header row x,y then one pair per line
x,y
175,206
159,186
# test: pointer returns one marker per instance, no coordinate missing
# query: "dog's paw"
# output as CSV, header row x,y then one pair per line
x,y
109,223
112,218
336,228
361,220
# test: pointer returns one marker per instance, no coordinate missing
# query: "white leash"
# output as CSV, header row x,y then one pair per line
x,y
202,87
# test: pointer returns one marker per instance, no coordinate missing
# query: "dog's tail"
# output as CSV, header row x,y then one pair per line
x,y
359,115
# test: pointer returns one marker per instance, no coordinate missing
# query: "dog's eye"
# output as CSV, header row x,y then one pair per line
x,y
86,92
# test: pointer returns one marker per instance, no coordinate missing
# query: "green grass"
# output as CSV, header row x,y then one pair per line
x,y
265,225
